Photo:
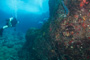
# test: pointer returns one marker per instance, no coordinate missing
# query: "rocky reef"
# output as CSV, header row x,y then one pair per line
x,y
10,43
63,37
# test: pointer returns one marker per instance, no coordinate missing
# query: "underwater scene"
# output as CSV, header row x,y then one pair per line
x,y
44,29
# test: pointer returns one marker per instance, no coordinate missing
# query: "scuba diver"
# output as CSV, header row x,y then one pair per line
x,y
11,22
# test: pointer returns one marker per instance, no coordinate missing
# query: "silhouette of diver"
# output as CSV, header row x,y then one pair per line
x,y
11,22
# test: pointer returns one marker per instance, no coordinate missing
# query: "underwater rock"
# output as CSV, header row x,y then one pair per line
x,y
10,44
27,48
53,6
61,38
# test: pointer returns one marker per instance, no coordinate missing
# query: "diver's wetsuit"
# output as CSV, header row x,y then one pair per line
x,y
10,23
1,30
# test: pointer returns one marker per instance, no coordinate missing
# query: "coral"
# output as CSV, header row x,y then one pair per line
x,y
61,38
10,45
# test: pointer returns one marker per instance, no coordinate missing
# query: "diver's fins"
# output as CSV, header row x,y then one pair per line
x,y
1,32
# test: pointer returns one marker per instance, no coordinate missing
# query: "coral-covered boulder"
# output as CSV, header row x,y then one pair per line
x,y
64,36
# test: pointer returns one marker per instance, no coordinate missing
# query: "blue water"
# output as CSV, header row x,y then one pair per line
x,y
28,13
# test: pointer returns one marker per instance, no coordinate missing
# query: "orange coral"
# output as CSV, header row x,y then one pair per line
x,y
83,2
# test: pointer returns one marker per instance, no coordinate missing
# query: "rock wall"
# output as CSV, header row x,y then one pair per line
x,y
53,6
63,37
